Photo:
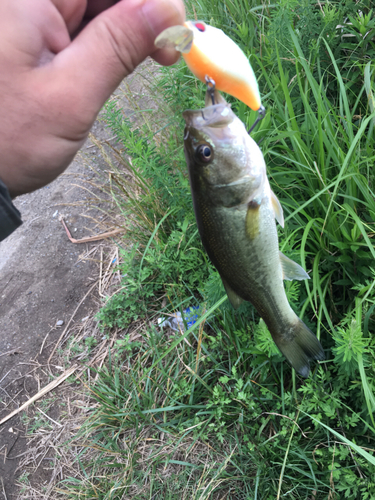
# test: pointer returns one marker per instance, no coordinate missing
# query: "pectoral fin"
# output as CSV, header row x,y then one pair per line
x,y
292,270
252,219
278,209
176,37
234,299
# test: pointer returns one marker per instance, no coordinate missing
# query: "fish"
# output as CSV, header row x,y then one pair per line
x,y
210,53
236,213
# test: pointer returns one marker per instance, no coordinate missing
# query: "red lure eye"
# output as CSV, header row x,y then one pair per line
x,y
200,26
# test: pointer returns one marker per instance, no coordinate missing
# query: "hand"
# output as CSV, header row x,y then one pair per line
x,y
53,87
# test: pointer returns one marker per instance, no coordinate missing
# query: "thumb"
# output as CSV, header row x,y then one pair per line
x,y
111,46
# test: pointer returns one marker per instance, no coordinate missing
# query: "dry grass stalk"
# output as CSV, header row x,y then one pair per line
x,y
47,451
41,393
13,351
67,326
90,239
2,484
105,279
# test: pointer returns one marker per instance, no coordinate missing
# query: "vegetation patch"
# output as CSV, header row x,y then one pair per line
x,y
212,410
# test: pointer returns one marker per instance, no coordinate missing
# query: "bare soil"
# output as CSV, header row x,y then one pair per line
x,y
43,277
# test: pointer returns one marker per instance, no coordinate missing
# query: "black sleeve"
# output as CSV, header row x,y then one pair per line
x,y
10,218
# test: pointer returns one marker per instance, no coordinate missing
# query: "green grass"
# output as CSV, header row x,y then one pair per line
x,y
215,412
206,418
320,164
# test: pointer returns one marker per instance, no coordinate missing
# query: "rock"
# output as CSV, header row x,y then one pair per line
x,y
60,322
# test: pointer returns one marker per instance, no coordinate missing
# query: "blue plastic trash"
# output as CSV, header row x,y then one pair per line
x,y
191,314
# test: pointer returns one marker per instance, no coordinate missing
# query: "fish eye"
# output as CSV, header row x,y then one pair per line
x,y
204,153
200,26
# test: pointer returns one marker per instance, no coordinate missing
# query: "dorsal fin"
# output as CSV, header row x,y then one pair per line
x,y
278,209
292,270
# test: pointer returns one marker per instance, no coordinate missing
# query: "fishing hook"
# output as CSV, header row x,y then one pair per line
x,y
210,88
261,115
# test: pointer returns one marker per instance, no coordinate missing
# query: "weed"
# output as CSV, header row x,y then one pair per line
x,y
246,418
168,258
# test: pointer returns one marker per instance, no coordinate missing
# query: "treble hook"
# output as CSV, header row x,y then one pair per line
x,y
210,88
261,115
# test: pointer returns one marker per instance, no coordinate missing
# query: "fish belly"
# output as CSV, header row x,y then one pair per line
x,y
251,267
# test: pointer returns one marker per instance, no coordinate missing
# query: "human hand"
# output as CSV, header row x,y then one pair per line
x,y
52,87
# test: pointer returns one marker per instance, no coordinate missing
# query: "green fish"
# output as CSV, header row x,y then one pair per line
x,y
235,211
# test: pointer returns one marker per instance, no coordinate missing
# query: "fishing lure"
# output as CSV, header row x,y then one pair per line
x,y
215,59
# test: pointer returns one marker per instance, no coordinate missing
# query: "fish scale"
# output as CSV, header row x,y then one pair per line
x,y
255,265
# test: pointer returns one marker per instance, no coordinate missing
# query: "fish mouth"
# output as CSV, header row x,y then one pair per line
x,y
216,116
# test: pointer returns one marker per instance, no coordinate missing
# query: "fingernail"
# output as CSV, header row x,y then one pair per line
x,y
160,14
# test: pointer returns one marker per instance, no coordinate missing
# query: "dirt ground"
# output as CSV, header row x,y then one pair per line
x,y
43,278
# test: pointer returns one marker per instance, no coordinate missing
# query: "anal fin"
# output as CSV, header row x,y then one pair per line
x,y
292,270
234,299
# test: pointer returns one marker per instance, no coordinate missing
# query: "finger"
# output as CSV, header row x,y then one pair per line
x,y
111,46
72,12
166,57
95,7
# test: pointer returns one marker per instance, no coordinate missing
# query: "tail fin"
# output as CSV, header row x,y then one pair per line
x,y
300,346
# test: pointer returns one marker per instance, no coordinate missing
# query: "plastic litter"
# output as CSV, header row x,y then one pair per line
x,y
176,322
